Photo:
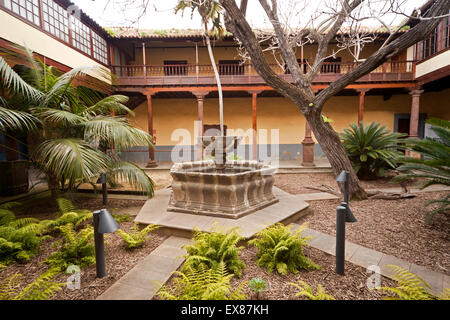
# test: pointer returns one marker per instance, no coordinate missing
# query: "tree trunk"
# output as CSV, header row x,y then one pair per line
x,y
334,150
53,185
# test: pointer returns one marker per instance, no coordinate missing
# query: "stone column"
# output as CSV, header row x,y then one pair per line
x,y
254,124
414,118
308,147
151,151
200,99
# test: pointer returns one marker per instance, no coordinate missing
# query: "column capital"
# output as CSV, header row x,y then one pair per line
x,y
362,90
148,92
416,92
254,91
200,94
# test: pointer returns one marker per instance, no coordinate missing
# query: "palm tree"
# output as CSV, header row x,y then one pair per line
x,y
76,137
210,11
433,166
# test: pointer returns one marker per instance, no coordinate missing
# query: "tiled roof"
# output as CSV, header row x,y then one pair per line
x,y
134,33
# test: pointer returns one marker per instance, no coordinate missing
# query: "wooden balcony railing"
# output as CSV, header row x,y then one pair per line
x,y
191,74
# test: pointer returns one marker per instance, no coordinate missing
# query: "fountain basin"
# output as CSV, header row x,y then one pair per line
x,y
231,191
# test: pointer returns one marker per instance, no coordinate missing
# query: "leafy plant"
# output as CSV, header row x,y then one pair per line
x,y
410,287
71,124
280,249
213,248
371,149
19,238
76,248
433,166
306,291
203,283
121,217
42,288
136,238
258,285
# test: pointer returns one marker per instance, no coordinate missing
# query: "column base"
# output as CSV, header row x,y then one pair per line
x,y
308,154
151,164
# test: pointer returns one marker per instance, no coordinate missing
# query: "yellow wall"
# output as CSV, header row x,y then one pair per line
x,y
17,31
282,114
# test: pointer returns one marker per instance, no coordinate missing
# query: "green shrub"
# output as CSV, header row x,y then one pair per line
x,y
280,249
136,238
306,291
213,248
371,149
258,285
76,248
433,166
410,287
203,283
19,238
121,217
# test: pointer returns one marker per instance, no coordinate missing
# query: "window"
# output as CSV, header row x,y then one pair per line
x,y
27,9
175,67
55,19
100,48
430,45
81,35
230,67
331,65
447,32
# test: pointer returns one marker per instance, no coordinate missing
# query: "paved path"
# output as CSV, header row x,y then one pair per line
x,y
146,278
365,257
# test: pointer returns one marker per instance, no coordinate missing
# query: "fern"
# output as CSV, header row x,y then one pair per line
x,y
136,238
410,287
307,291
214,248
279,249
65,205
121,217
203,283
42,288
75,248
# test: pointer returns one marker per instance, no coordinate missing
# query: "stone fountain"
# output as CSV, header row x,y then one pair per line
x,y
220,187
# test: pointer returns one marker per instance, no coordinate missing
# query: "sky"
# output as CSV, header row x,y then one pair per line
x,y
160,13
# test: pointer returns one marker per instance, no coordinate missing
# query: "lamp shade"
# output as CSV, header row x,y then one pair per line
x,y
342,177
106,222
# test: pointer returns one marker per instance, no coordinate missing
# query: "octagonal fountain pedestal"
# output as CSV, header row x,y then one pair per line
x,y
232,190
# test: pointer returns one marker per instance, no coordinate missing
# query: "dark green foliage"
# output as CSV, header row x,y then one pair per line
x,y
410,287
306,291
371,149
76,248
281,249
43,288
136,238
433,166
121,217
203,283
214,248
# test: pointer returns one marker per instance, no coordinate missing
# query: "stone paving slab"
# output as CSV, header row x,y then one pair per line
x,y
146,278
155,211
365,257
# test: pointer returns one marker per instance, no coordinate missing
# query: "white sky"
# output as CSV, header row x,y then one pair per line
x,y
160,14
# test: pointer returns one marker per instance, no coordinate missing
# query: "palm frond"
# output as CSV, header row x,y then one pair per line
x,y
132,174
70,159
114,103
17,120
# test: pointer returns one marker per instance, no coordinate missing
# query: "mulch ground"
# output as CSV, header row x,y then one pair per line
x,y
119,260
395,227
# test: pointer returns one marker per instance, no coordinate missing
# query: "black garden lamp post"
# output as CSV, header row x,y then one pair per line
x,y
343,215
103,223
102,180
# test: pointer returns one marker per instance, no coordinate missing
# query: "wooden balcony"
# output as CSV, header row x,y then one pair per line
x,y
233,74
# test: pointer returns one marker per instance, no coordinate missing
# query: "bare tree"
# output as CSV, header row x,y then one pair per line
x,y
304,22
344,18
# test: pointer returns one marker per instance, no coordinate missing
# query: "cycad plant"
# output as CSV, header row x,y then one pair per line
x,y
371,148
434,165
76,137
